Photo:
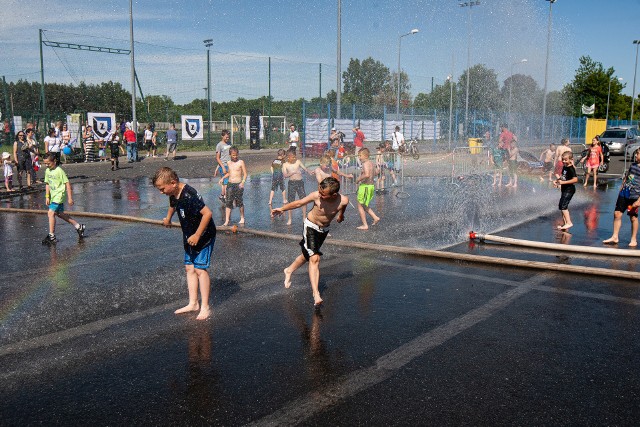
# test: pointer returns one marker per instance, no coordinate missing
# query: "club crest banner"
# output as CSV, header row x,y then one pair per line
x,y
103,124
588,110
192,128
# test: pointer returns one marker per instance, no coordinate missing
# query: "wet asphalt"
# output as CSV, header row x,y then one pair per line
x,y
88,334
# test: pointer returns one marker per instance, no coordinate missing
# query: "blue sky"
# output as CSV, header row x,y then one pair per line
x,y
298,35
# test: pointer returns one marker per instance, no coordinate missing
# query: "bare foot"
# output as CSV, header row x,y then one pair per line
x,y
225,224
515,185
508,185
633,244
610,241
287,278
363,227
188,308
241,221
375,221
566,227
204,314
288,222
317,301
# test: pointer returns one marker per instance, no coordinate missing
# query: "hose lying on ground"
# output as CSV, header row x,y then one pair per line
x,y
450,256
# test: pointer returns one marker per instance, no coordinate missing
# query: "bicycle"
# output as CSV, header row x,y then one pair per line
x,y
411,148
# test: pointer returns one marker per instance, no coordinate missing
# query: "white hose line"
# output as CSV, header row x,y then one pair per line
x,y
450,256
560,247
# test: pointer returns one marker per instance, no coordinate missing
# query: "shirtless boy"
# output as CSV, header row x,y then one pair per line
x,y
237,175
366,190
325,170
328,204
293,170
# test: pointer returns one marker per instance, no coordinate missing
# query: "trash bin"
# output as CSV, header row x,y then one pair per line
x,y
475,145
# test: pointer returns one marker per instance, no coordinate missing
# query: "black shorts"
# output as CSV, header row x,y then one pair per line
x,y
149,144
548,166
115,150
296,187
24,163
312,239
623,203
565,198
234,194
277,182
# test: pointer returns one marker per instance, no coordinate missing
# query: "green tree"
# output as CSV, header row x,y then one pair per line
x,y
363,81
389,94
484,92
591,85
526,96
438,99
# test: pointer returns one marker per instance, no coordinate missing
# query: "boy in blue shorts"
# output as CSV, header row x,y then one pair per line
x,y
57,187
198,236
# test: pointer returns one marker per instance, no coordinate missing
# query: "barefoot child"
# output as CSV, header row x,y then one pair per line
x,y
547,157
366,190
327,204
8,171
628,201
293,170
57,187
566,182
277,179
198,236
237,175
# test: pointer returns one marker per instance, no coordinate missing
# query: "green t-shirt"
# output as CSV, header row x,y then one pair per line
x,y
57,181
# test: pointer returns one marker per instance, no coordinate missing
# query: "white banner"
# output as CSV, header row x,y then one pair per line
x,y
103,124
192,128
588,110
73,126
17,123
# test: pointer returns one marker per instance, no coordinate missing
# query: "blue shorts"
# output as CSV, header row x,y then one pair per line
x,y
199,259
56,207
223,171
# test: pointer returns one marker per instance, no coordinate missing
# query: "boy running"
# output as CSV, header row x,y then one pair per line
x,y
366,190
198,236
57,187
328,203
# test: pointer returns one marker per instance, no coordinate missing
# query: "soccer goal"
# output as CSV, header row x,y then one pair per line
x,y
273,129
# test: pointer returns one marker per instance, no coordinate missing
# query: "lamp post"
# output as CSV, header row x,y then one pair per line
x,y
450,80
522,61
208,43
606,119
415,30
468,4
635,69
546,70
134,119
339,63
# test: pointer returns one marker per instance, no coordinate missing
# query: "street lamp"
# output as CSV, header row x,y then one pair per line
x,y
606,120
522,61
208,43
546,70
415,30
468,4
635,69
450,80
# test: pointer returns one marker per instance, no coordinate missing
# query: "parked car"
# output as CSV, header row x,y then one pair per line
x,y
618,138
529,163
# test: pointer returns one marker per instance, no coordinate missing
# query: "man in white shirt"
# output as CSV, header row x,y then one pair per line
x,y
294,137
397,139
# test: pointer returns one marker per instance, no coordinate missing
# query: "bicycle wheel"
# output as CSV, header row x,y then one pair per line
x,y
414,152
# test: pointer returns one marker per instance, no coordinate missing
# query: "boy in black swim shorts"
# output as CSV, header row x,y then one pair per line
x,y
328,204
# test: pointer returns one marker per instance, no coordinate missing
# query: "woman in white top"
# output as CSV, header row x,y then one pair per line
x,y
148,137
53,144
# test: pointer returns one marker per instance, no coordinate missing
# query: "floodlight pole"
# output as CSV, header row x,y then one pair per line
x,y
339,63
635,69
43,107
414,31
468,4
134,120
208,43
546,71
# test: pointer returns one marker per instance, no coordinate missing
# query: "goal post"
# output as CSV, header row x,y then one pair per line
x,y
273,129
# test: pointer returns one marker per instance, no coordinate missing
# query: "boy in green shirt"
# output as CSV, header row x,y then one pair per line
x,y
57,186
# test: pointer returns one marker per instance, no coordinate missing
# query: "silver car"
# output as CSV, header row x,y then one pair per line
x,y
618,138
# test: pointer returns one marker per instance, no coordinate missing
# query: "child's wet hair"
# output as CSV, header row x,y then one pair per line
x,y
331,184
234,149
164,176
281,152
364,151
567,155
325,160
52,158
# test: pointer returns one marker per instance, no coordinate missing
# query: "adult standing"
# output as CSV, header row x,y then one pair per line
x,y
172,142
334,139
89,145
505,140
358,139
222,157
397,144
148,140
53,144
22,157
132,147
294,137
33,150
